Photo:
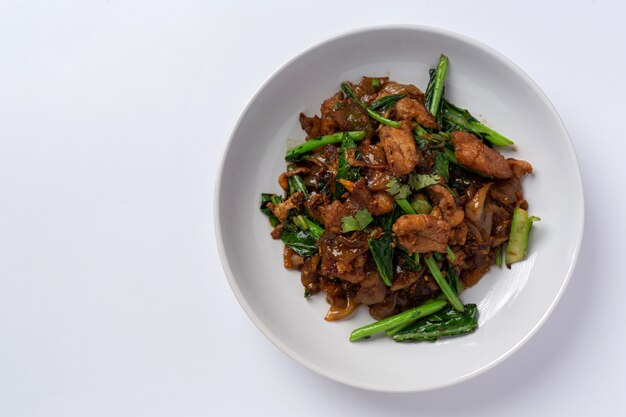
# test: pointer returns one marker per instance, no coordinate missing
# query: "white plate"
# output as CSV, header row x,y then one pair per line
x,y
512,303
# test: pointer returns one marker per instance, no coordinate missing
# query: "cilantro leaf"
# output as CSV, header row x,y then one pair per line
x,y
398,190
357,222
419,181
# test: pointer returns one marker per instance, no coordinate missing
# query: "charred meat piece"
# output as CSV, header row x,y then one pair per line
x,y
377,204
328,123
443,199
421,233
344,256
471,152
400,148
411,109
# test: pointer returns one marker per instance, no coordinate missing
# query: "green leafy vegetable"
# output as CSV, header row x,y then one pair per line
x,y
346,89
308,225
456,118
412,263
518,239
298,152
384,103
419,181
453,279
445,322
296,184
423,310
382,248
300,242
398,190
270,198
376,83
357,222
442,165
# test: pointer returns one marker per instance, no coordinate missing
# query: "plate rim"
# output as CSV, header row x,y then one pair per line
x,y
295,355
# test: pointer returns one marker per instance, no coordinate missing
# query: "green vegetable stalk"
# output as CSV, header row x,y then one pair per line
x,y
300,151
446,322
446,289
406,207
308,225
296,184
518,239
425,309
435,89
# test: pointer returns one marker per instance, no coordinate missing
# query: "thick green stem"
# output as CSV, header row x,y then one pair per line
x,y
446,322
443,283
404,204
306,224
451,254
437,92
518,239
408,316
294,153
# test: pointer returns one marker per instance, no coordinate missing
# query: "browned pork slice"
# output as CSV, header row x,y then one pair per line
x,y
458,234
372,156
471,152
411,109
344,256
400,148
360,197
334,212
421,233
328,124
377,179
377,203
404,278
442,198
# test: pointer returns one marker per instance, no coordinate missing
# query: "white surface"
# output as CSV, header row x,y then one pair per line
x,y
512,303
113,116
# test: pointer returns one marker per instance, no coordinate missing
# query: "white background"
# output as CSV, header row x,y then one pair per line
x,y
113,118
